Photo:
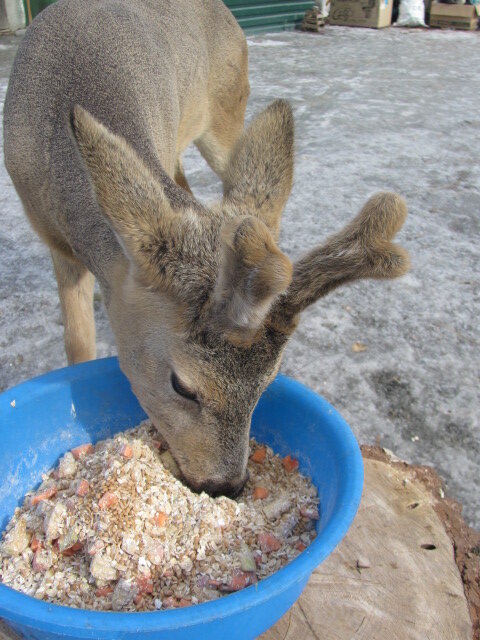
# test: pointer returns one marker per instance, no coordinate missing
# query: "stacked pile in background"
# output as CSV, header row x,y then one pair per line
x,y
445,14
361,13
454,16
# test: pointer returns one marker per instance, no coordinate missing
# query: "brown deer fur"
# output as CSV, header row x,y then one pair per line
x,y
104,97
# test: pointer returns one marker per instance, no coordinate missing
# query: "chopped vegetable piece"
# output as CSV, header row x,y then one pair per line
x,y
43,495
259,454
82,451
35,543
268,542
103,591
53,522
169,601
247,561
75,548
126,451
101,568
161,519
259,493
290,463
42,560
124,594
17,539
214,583
107,500
68,540
67,466
239,580
82,488
276,507
145,584
184,602
300,546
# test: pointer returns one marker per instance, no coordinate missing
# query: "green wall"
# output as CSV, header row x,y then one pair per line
x,y
276,15
252,15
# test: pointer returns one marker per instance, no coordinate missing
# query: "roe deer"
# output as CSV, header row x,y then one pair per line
x,y
104,97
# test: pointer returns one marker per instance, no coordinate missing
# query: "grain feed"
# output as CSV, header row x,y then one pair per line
x,y
112,528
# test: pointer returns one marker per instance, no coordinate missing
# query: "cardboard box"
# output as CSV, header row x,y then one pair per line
x,y
361,13
454,16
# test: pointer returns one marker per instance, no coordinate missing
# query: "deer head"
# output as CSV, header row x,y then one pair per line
x,y
203,301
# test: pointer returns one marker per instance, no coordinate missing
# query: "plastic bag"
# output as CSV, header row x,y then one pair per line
x,y
411,14
324,6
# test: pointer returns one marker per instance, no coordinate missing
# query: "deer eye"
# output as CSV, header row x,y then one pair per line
x,y
181,390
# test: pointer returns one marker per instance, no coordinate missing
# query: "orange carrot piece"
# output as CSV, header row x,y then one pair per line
x,y
101,592
145,584
184,602
290,463
71,551
44,495
138,599
259,454
268,542
214,583
82,451
82,488
300,546
107,500
161,519
35,543
126,451
242,579
169,601
259,493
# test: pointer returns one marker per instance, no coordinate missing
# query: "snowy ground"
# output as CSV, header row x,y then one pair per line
x,y
391,109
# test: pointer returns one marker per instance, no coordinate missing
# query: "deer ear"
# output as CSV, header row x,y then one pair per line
x,y
259,177
132,200
253,273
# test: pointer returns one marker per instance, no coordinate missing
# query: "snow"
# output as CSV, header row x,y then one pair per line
x,y
374,110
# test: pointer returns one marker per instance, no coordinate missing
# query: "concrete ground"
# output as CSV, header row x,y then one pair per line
x,y
391,109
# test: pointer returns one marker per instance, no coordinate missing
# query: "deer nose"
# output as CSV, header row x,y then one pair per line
x,y
229,489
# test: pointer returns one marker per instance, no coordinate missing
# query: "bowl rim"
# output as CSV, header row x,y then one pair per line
x,y
22,608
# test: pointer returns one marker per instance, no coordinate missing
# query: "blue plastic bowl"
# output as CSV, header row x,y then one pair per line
x,y
46,416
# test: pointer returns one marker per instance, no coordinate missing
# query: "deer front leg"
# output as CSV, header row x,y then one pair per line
x,y
75,290
179,176
226,125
